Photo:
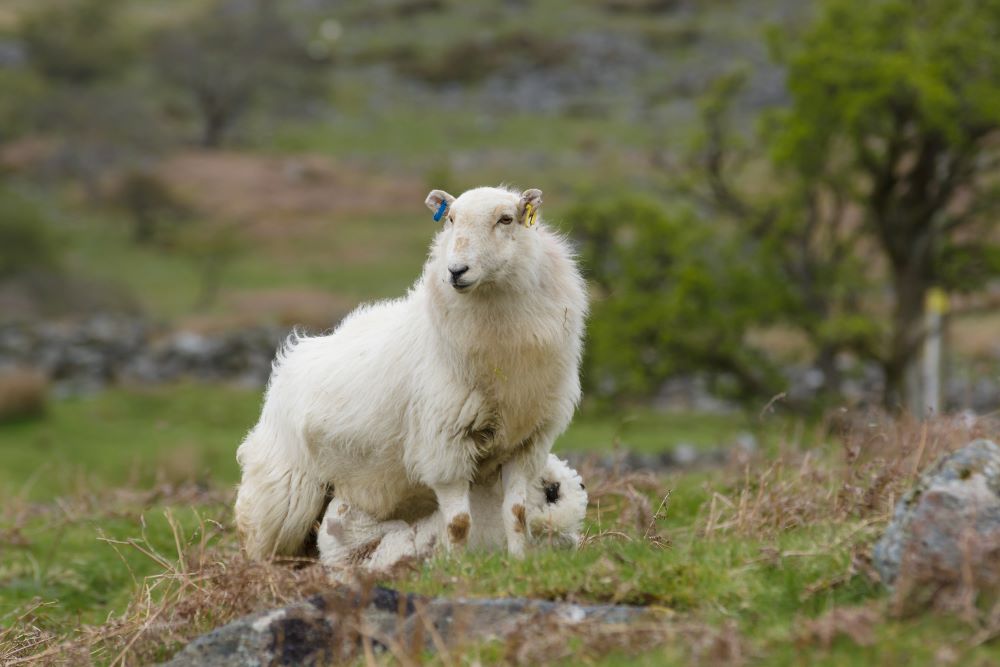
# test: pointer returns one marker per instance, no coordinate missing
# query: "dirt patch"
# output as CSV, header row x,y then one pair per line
x,y
269,192
315,310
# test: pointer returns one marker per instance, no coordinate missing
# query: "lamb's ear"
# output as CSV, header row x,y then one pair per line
x,y
527,208
438,201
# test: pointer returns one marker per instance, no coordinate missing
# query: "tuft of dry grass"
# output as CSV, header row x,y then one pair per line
x,y
554,641
623,499
24,393
878,459
856,623
206,583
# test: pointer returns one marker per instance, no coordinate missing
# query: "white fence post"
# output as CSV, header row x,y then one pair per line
x,y
935,308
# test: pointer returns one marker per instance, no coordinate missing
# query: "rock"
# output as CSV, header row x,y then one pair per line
x,y
91,354
330,628
944,537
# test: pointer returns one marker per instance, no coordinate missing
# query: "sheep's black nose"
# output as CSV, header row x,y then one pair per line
x,y
551,492
457,271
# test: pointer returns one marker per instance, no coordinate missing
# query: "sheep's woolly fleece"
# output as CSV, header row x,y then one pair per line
x,y
410,400
557,506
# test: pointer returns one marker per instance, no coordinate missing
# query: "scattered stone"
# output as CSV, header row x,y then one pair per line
x,y
682,456
334,627
104,350
943,543
91,354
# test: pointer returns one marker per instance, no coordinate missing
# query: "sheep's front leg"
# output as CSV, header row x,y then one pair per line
x,y
515,475
453,501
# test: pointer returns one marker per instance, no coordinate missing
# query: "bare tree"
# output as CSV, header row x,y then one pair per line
x,y
235,56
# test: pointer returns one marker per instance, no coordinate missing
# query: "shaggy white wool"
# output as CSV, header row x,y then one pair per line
x,y
557,506
409,401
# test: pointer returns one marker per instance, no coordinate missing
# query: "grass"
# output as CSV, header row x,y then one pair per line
x,y
130,438
763,560
645,430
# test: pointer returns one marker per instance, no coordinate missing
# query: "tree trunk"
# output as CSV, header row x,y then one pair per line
x,y
213,129
910,287
826,362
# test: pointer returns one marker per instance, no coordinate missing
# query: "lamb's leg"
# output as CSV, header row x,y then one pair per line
x,y
453,502
515,492
348,536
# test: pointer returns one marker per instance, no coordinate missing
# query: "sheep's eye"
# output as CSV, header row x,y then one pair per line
x,y
451,219
505,219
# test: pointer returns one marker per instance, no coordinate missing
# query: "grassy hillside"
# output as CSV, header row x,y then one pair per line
x,y
764,560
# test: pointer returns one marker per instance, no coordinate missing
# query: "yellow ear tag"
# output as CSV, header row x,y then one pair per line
x,y
529,215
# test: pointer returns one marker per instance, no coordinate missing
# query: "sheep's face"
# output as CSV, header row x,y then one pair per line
x,y
557,505
486,236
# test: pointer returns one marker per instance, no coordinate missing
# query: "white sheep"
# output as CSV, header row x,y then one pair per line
x,y
556,507
468,378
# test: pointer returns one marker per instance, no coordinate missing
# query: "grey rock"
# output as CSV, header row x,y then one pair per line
x,y
686,454
84,356
682,457
946,528
330,627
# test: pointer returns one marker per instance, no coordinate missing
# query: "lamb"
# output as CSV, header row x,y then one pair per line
x,y
467,379
557,505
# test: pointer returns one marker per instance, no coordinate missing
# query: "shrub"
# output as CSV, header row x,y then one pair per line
x,y
77,41
473,59
23,393
673,295
151,204
25,243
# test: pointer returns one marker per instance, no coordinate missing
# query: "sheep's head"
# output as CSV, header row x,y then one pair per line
x,y
487,235
557,505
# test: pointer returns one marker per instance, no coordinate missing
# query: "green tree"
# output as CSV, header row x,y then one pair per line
x,y
879,171
673,295
77,41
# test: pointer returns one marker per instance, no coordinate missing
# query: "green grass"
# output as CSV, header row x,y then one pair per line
x,y
415,135
359,258
645,430
84,492
127,438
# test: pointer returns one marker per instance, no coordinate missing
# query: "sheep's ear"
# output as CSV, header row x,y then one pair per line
x,y
527,208
438,201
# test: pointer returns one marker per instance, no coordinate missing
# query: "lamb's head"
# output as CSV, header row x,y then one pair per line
x,y
488,238
557,505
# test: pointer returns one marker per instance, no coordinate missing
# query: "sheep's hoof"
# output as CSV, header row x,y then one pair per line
x,y
515,549
458,529
520,520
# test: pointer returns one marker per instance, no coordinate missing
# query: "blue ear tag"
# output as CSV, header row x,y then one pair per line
x,y
440,211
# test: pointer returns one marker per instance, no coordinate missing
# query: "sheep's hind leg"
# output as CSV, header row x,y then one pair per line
x,y
515,493
453,501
